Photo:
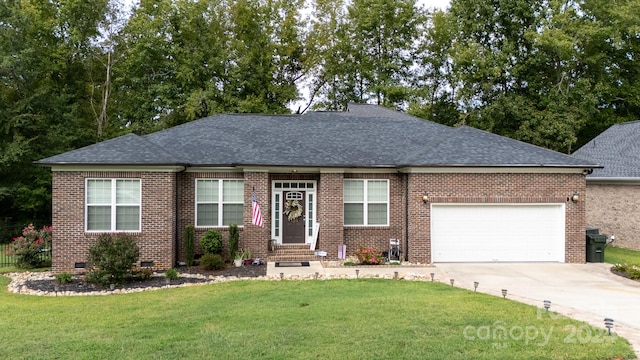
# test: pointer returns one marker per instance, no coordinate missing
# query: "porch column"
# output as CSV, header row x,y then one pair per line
x,y
331,213
252,237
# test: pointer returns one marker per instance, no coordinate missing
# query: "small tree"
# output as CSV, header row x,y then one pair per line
x,y
188,244
211,242
112,258
234,239
28,247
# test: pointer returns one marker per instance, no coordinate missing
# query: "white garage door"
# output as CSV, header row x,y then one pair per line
x,y
497,232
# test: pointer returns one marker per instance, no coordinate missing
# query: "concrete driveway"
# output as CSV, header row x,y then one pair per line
x,y
586,292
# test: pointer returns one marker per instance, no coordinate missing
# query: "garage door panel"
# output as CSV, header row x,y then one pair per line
x,y
497,232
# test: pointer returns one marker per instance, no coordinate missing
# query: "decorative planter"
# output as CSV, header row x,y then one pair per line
x,y
248,261
237,262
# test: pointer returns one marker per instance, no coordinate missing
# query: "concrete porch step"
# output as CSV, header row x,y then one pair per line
x,y
292,258
292,252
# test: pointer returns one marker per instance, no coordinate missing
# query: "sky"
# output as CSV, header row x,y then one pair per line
x,y
441,4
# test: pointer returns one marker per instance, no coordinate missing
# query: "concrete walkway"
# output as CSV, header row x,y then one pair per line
x,y
349,271
586,292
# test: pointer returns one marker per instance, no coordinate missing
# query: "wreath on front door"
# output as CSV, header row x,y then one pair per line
x,y
293,210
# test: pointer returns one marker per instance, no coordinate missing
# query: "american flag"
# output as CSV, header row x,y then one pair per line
x,y
256,214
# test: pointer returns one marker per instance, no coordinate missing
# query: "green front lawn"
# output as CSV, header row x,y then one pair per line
x,y
333,319
618,255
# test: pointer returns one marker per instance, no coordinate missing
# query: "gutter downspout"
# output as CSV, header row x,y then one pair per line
x,y
176,213
406,217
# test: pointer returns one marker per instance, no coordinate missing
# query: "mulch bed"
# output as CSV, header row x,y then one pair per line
x,y
158,280
622,273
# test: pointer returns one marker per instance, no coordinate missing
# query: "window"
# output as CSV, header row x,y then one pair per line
x,y
366,202
113,205
219,202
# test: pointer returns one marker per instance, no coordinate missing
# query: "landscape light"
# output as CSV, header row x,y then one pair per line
x,y
608,323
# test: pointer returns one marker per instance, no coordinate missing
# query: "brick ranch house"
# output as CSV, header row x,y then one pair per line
x,y
359,177
614,189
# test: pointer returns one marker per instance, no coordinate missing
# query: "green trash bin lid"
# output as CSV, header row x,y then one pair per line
x,y
596,238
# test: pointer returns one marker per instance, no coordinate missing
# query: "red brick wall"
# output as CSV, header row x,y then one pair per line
x,y
187,209
257,238
252,237
70,241
615,209
495,188
377,237
159,223
330,214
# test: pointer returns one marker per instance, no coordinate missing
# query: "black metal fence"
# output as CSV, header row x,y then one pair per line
x,y
8,231
9,260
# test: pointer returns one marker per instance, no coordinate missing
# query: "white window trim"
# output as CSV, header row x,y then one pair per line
x,y
220,203
114,205
365,203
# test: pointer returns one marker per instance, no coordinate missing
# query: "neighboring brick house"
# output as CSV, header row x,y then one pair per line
x,y
360,177
613,205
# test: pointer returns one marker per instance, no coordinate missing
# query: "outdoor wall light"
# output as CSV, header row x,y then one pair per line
x,y
475,286
608,323
575,197
504,293
425,197
547,304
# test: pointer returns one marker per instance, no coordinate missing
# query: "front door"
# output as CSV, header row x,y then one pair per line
x,y
293,217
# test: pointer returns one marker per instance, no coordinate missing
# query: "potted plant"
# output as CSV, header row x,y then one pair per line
x,y
238,257
247,257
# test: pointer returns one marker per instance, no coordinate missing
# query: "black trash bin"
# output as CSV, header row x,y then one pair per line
x,y
591,230
595,247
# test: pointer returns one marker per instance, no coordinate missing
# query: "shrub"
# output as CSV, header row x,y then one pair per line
x,y
368,256
211,242
188,244
632,271
234,239
28,247
172,274
112,258
145,273
212,262
64,278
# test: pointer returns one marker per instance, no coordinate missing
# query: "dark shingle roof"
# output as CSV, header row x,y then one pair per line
x,y
128,149
364,136
617,149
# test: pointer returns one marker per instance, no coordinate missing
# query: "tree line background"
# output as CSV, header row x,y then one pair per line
x,y
75,72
